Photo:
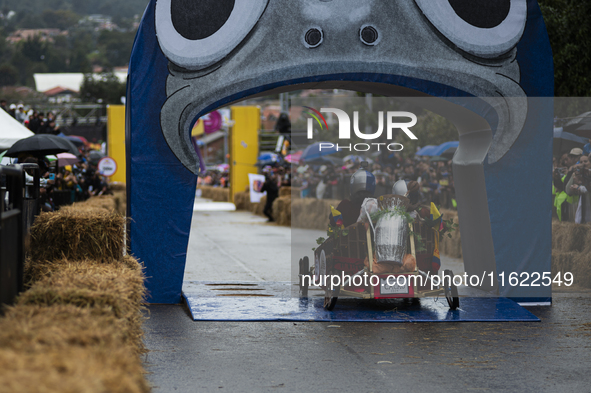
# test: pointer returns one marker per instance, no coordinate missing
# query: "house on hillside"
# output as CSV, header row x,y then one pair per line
x,y
45,35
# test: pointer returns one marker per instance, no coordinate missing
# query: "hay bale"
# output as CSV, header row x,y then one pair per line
x,y
282,210
220,194
563,261
257,208
36,329
118,290
241,200
106,202
581,270
577,263
120,198
77,234
217,194
568,236
451,247
285,191
36,270
118,186
73,369
311,213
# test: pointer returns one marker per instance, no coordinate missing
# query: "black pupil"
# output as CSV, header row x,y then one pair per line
x,y
369,34
485,14
313,37
199,19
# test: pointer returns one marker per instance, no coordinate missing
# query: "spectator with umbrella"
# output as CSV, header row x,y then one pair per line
x,y
580,184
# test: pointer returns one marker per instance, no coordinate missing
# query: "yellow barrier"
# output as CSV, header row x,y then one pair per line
x,y
244,146
116,140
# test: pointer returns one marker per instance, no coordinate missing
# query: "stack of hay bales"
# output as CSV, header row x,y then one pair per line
x,y
216,194
452,247
311,213
282,210
78,326
571,251
242,201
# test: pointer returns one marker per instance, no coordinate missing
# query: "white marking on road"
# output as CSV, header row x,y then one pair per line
x,y
234,259
214,207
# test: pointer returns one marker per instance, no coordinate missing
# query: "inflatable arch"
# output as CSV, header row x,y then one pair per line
x,y
193,56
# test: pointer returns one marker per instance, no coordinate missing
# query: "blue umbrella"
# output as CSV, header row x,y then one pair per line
x,y
565,141
437,151
267,159
317,150
425,151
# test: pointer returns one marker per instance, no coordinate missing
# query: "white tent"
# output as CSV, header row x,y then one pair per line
x,y
11,131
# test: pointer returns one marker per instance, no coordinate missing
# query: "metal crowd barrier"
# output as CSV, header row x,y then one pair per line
x,y
12,249
19,205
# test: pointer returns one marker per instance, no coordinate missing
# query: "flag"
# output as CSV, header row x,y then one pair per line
x,y
336,218
436,261
436,218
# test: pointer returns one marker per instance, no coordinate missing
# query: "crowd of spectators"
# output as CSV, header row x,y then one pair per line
x,y
37,122
60,185
215,178
571,186
328,181
64,185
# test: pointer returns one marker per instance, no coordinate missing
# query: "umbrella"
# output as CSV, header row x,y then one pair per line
x,y
326,160
437,151
95,156
64,159
449,153
425,151
438,159
353,157
223,167
75,140
83,139
317,150
267,159
294,158
4,161
565,142
580,125
581,121
39,145
72,149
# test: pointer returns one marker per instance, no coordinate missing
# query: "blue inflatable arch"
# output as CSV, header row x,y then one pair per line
x,y
191,57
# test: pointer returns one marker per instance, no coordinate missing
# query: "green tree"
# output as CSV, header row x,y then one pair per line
x,y
59,19
569,30
8,75
106,88
115,47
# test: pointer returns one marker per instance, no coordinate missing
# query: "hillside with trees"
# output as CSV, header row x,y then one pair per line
x,y
84,45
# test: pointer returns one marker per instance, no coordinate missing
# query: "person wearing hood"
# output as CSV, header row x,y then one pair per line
x,y
362,186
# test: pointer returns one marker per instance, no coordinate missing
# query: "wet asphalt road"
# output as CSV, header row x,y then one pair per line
x,y
553,355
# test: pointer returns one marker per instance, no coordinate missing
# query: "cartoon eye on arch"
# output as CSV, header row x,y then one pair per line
x,y
483,28
196,34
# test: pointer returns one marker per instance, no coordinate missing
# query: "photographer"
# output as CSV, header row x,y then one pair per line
x,y
580,184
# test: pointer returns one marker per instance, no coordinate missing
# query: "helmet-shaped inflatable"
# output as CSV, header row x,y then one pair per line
x,y
400,188
362,180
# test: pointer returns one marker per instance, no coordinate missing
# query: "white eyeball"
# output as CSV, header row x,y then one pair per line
x,y
483,28
195,34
